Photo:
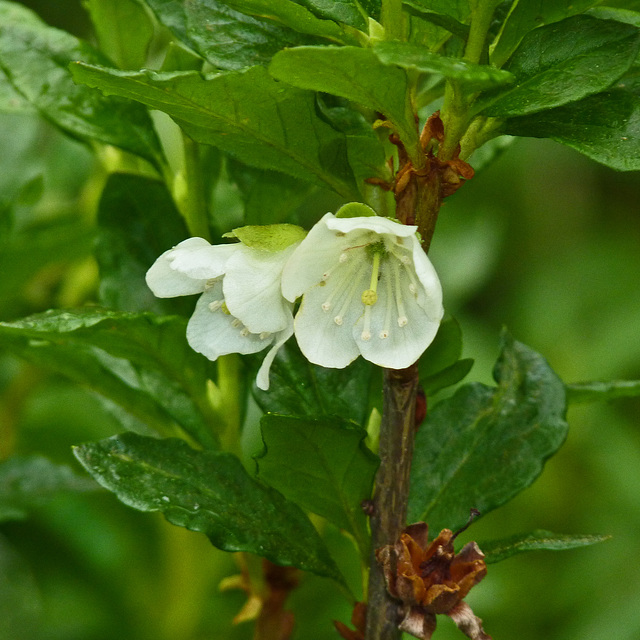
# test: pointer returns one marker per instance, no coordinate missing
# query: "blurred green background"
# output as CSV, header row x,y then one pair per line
x,y
544,241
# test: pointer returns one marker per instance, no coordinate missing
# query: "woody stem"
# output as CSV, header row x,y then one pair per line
x,y
392,492
397,431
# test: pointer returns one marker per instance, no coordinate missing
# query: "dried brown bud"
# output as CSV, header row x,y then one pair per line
x,y
430,578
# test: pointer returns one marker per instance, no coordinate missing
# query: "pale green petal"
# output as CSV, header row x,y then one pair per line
x,y
313,257
213,334
252,289
262,379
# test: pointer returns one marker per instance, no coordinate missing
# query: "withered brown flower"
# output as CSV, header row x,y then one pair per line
x,y
430,578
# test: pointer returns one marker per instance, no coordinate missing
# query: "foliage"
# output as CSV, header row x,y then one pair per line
x,y
170,131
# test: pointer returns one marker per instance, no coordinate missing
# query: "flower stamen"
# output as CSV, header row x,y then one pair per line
x,y
402,317
215,305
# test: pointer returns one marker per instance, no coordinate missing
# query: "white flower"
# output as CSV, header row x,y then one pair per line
x,y
368,289
241,309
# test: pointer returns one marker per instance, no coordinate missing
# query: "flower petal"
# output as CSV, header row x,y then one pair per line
x,y
262,379
313,257
196,258
376,224
185,269
431,287
320,339
216,333
166,282
403,344
252,289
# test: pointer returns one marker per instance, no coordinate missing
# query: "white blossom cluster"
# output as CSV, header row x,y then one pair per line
x,y
366,288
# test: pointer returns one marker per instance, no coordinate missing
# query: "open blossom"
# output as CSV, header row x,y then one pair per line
x,y
241,309
368,289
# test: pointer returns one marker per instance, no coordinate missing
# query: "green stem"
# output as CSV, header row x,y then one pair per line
x,y
455,110
392,19
194,204
481,15
230,393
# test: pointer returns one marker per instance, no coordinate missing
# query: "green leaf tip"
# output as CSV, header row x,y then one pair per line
x,y
538,540
355,210
271,237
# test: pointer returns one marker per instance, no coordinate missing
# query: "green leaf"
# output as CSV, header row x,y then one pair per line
x,y
457,9
473,77
248,114
365,150
355,74
209,492
137,221
445,349
226,38
605,127
10,100
269,196
27,482
24,253
525,16
34,59
124,30
484,445
322,465
564,62
446,377
140,361
345,11
448,22
305,390
538,540
583,392
291,14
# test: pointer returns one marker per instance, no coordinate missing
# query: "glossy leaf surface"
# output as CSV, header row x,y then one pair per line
x,y
209,492
605,127
34,59
538,540
526,15
484,445
142,362
226,38
465,74
564,62
352,73
302,389
323,465
248,114
124,31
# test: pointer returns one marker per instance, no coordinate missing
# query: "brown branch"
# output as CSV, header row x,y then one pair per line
x,y
391,493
